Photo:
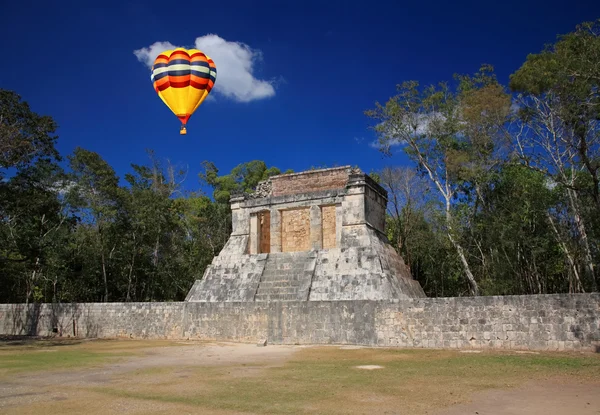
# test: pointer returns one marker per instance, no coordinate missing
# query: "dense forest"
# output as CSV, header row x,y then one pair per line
x,y
502,196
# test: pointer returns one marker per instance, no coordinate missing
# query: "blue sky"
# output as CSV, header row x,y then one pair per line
x,y
292,90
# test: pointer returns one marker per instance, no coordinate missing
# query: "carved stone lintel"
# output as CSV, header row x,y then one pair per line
x,y
355,170
263,189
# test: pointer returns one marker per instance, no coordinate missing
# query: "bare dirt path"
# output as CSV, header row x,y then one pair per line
x,y
62,385
534,398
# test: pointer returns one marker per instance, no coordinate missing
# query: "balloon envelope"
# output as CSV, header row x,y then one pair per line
x,y
183,78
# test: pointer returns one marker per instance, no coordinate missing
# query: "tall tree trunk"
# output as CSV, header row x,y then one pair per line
x,y
103,259
537,277
131,264
582,149
587,254
447,193
473,287
155,253
567,252
155,264
32,280
104,275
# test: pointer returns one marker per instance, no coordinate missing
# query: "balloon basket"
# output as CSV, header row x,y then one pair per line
x,y
183,131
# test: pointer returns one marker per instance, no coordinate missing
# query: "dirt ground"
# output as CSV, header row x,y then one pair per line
x,y
57,390
225,378
533,398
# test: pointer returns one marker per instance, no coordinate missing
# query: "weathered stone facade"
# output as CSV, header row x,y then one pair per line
x,y
310,181
569,322
295,230
328,219
310,236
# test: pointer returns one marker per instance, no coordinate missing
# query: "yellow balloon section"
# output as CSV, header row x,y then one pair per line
x,y
183,78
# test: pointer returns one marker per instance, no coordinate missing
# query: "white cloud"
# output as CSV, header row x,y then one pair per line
x,y
62,187
550,183
413,125
235,63
149,54
377,145
515,106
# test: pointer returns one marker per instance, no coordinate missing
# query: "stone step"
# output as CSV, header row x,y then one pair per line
x,y
279,284
278,259
288,255
276,297
286,266
285,271
275,278
283,276
275,293
280,288
297,271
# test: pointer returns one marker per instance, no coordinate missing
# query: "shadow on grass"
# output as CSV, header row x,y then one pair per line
x,y
37,341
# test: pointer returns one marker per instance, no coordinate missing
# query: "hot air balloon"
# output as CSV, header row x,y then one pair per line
x,y
183,78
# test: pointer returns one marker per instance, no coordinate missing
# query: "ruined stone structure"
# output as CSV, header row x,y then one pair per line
x,y
318,236
311,236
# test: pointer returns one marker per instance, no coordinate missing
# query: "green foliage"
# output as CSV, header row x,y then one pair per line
x,y
570,65
559,117
24,135
522,257
242,179
452,133
518,192
563,81
82,236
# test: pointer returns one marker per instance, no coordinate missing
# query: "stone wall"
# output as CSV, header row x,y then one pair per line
x,y
375,210
366,268
328,219
102,320
310,181
542,322
230,277
295,230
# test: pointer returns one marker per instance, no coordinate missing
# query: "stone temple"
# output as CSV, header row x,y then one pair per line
x,y
317,235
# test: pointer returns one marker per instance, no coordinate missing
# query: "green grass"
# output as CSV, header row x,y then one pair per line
x,y
52,359
68,354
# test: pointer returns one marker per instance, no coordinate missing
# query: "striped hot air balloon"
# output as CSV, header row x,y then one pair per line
x,y
183,78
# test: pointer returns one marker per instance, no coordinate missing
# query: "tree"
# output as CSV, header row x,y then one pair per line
x,y
35,226
95,195
153,236
33,221
242,178
408,197
451,136
559,111
206,228
520,253
24,135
